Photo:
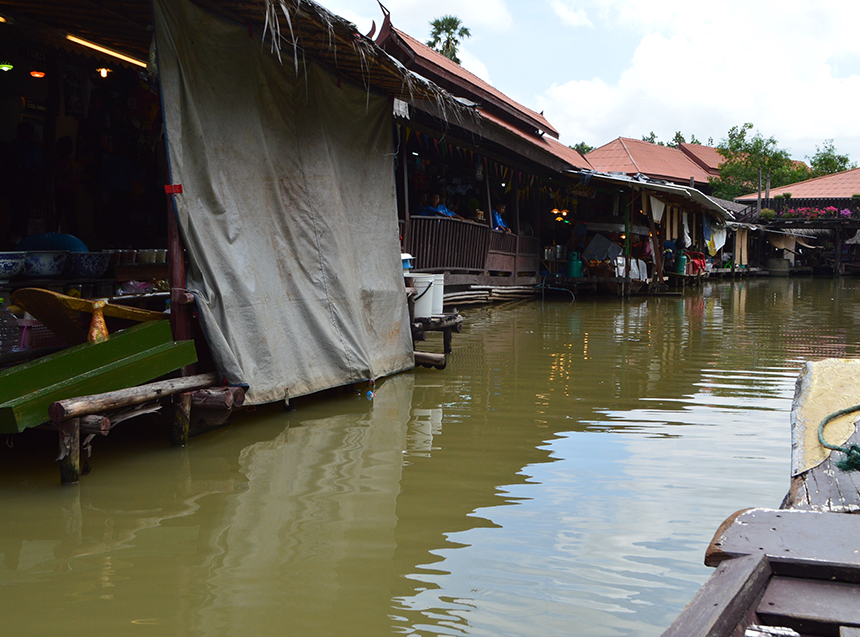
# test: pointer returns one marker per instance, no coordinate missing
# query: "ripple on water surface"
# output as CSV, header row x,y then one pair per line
x,y
562,476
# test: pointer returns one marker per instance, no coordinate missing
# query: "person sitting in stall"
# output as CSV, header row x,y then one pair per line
x,y
420,208
473,205
456,206
499,220
437,206
578,234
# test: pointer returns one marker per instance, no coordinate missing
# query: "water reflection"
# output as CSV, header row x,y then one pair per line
x,y
563,475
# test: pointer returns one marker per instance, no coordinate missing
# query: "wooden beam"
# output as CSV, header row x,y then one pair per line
x,y
73,407
218,398
428,359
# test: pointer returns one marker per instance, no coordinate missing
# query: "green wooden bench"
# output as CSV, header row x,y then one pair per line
x,y
130,357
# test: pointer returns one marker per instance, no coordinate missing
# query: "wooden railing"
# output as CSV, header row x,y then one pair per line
x,y
785,204
449,244
529,246
503,242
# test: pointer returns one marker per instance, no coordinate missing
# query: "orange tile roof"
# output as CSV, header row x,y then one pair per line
x,y
836,186
442,65
633,156
568,154
546,144
707,157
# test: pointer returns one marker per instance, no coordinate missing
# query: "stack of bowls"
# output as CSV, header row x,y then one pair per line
x,y
87,265
11,264
146,256
44,263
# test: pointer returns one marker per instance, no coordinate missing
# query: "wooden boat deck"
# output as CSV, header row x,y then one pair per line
x,y
793,571
797,571
826,488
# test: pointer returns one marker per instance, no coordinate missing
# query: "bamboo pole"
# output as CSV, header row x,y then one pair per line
x,y
63,410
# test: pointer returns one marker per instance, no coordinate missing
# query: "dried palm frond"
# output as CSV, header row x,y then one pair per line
x,y
330,40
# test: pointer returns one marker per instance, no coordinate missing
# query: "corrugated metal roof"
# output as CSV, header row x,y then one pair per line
x,y
686,193
634,156
842,185
321,36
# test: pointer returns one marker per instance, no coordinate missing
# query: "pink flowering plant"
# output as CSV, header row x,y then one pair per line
x,y
830,212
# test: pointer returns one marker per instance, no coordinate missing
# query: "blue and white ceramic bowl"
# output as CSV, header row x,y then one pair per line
x,y
86,265
11,264
44,263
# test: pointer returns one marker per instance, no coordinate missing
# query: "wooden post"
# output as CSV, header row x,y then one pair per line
x,y
837,258
488,194
656,244
403,179
758,200
180,313
181,424
516,206
70,451
627,217
446,340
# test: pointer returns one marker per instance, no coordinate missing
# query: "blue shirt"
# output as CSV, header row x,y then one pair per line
x,y
441,209
498,222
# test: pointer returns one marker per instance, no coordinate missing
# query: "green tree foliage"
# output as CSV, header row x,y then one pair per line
x,y
744,155
679,139
445,36
583,148
827,161
651,138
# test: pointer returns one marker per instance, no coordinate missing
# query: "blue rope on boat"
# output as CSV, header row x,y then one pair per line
x,y
851,461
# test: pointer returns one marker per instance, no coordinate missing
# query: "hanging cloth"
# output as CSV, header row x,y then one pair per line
x,y
657,208
685,218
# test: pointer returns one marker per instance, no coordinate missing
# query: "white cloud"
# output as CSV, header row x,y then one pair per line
x,y
570,13
471,63
703,71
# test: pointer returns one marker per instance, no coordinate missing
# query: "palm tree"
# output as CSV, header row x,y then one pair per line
x,y
446,34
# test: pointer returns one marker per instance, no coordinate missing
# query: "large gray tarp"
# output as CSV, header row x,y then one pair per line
x,y
288,210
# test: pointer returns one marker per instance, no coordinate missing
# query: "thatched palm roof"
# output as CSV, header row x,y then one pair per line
x,y
299,29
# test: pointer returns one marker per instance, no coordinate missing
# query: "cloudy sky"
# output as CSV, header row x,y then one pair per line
x,y
601,69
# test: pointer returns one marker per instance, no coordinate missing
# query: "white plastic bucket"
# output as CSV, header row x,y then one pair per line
x,y
423,284
438,293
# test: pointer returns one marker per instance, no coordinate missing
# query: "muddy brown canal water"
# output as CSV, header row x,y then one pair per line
x,y
562,477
